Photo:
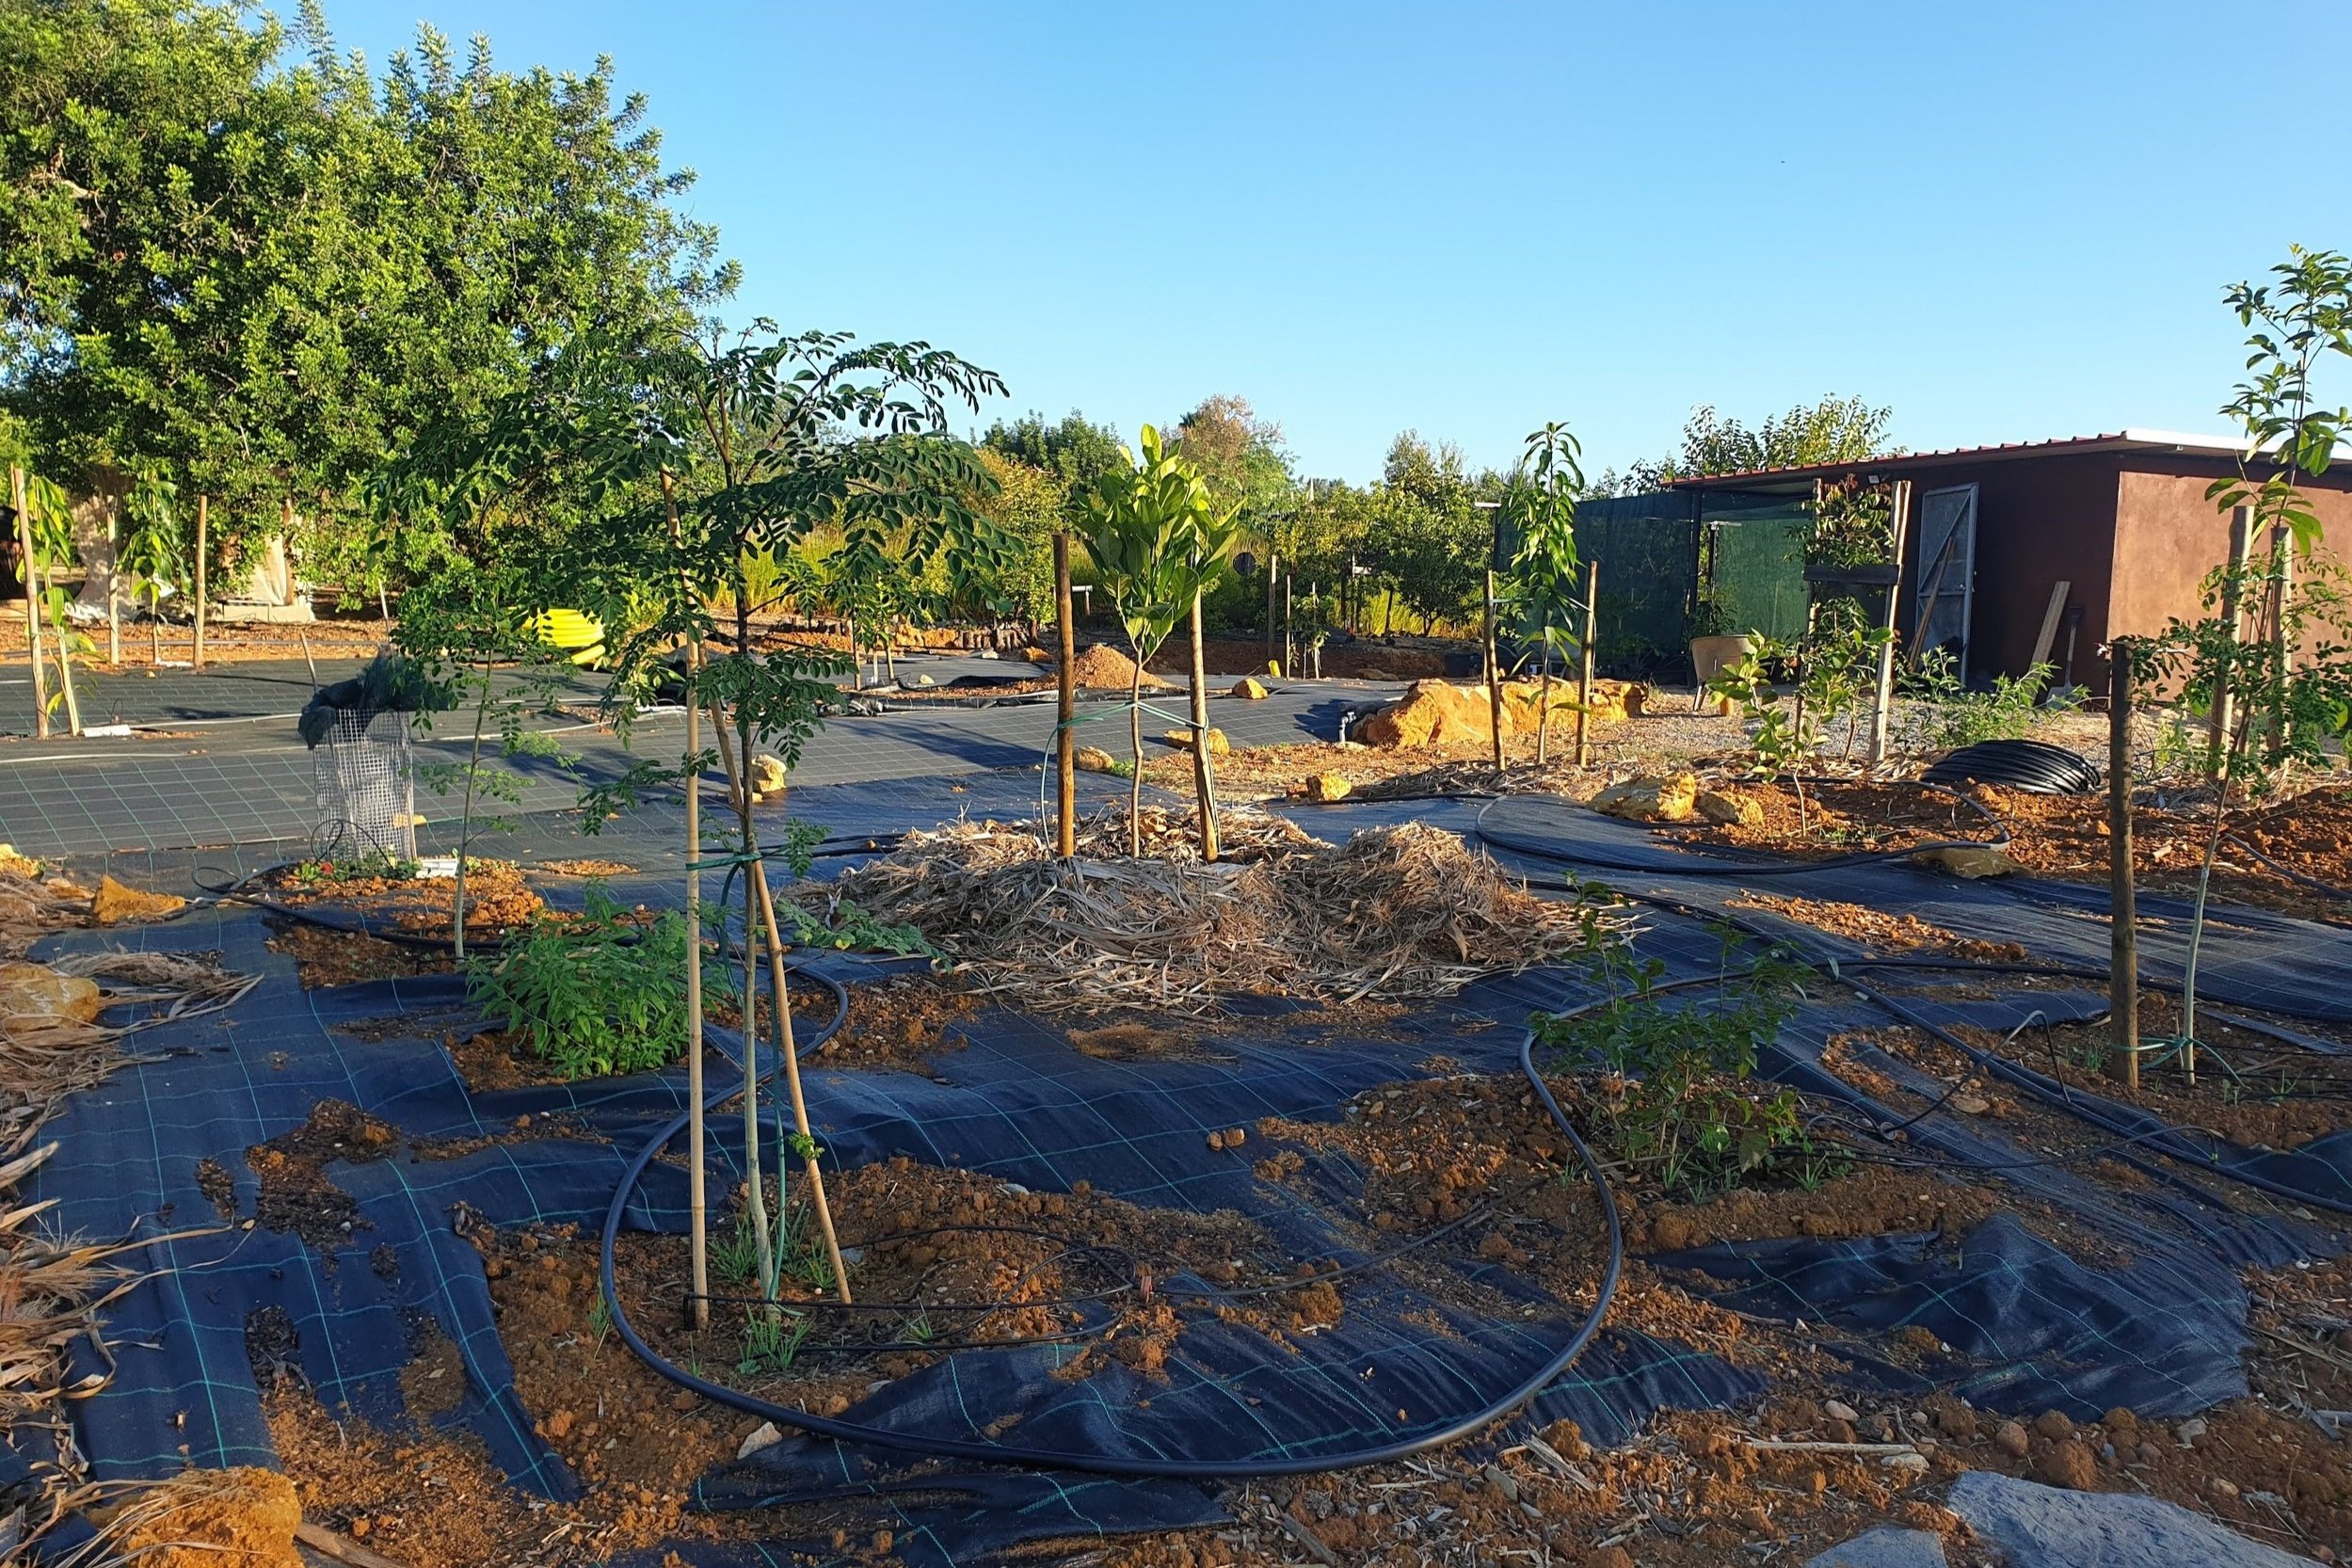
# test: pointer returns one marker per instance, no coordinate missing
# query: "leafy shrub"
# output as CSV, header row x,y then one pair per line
x,y
600,992
1944,715
1672,1087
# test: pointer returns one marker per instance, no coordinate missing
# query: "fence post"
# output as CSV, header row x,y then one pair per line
x,y
1882,705
2122,919
1584,684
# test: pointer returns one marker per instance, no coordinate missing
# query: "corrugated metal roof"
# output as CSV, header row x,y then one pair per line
x,y
2120,441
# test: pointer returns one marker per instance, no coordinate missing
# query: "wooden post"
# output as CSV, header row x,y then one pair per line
x,y
203,506
697,1194
1204,776
1882,702
32,604
759,876
2223,719
114,577
2122,919
1274,563
1065,704
2283,640
1289,629
1584,683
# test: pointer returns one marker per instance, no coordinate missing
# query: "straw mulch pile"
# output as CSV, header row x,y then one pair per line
x,y
1395,913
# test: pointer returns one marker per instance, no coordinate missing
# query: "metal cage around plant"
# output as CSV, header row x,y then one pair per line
x,y
364,778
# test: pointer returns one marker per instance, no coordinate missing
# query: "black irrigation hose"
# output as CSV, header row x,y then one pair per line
x,y
1008,1454
2036,767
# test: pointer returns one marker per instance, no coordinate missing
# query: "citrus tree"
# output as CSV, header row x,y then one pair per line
x,y
151,557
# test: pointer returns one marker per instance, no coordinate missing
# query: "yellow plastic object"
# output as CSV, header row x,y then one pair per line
x,y
581,636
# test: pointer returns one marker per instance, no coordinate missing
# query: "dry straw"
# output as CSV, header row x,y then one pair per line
x,y
1395,913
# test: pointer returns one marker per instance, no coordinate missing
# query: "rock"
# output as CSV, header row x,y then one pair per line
x,y
924,679
1970,1105
1434,713
2188,1432
1637,699
1037,656
2010,1438
764,1435
1095,760
1911,1463
1182,741
1727,808
1250,689
767,775
1567,1440
114,905
1838,1410
1327,787
36,994
1500,1479
1962,860
1669,797
1884,1547
2068,1463
2055,1425
2039,1526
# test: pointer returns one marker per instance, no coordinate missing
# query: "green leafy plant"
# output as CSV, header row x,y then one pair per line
x,y
1942,713
152,559
1854,526
849,928
772,1340
594,993
1673,1086
1159,540
1546,580
1834,665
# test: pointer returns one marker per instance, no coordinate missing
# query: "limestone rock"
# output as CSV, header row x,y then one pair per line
x,y
1327,787
1969,861
1249,688
1729,808
1182,741
764,1435
1434,713
2041,1527
114,905
1095,760
767,775
1666,797
1886,1547
37,994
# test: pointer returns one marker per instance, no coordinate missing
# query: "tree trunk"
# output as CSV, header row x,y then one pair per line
x,y
1135,740
1065,704
32,611
1204,784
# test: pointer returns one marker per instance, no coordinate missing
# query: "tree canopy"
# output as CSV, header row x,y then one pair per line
x,y
1833,430
226,250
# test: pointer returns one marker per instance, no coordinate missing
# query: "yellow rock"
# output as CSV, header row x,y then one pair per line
x,y
14,864
1637,699
1250,688
1095,760
1962,860
767,775
1667,797
1182,741
34,993
114,905
1434,713
1327,787
1727,810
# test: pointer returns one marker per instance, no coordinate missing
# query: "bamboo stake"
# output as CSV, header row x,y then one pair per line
x,y
203,510
65,676
2223,718
1494,671
759,876
697,1185
1065,705
114,575
2122,920
1203,780
1584,683
32,612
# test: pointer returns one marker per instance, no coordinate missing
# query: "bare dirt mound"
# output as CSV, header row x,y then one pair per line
x,y
1104,669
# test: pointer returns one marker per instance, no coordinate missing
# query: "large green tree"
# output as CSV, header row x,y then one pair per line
x,y
1833,430
1074,450
227,250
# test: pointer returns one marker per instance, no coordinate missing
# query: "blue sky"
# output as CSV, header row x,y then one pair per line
x,y
2009,221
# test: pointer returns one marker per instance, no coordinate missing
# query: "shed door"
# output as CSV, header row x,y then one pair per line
x,y
1943,579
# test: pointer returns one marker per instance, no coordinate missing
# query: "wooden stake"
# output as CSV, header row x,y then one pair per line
x,y
1203,780
1065,704
114,575
1494,671
2122,919
203,508
698,1194
1882,701
2283,645
758,874
2223,718
32,608
1584,683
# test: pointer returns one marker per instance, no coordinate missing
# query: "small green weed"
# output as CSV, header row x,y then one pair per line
x,y
771,1340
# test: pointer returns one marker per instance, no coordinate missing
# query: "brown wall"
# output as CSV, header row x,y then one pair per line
x,y
2171,535
2038,522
